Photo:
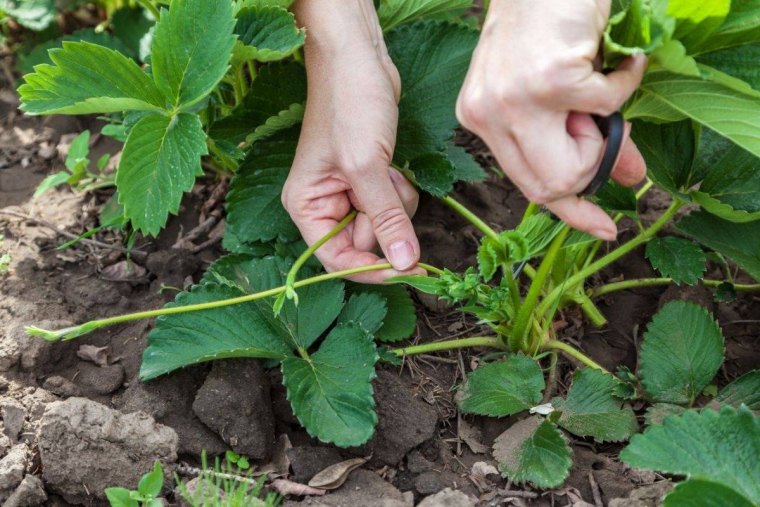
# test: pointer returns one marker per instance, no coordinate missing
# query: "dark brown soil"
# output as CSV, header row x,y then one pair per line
x,y
54,288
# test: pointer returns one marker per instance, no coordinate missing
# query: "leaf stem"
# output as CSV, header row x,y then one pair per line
x,y
460,343
651,282
574,353
611,257
151,8
470,217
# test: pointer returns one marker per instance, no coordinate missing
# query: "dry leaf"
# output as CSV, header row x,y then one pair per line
x,y
124,271
93,354
335,475
286,487
483,469
471,436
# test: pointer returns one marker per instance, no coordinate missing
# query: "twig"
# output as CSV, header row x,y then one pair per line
x,y
70,235
517,494
595,490
188,471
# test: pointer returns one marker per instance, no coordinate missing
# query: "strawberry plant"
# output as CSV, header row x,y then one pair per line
x,y
229,87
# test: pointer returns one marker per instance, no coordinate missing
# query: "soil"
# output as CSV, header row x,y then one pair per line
x,y
422,445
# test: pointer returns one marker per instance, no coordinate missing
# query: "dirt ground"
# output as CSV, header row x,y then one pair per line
x,y
422,446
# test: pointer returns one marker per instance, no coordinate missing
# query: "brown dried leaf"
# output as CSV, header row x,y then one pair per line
x,y
124,271
93,354
471,436
286,487
335,475
483,469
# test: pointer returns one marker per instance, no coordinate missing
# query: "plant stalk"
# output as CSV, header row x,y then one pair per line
x,y
574,353
652,282
470,217
461,343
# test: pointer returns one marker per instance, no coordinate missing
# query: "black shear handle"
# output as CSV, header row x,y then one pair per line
x,y
613,129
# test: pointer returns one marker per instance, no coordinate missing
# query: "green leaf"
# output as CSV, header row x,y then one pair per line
x,y
722,446
741,26
285,119
331,392
78,149
704,493
191,48
511,247
502,388
86,78
657,413
731,190
254,207
151,483
132,26
533,451
35,15
677,258
368,310
672,56
434,173
268,33
635,27
276,88
744,390
161,158
739,242
739,62
120,497
426,284
591,410
51,181
246,330
732,113
669,150
696,21
400,320
396,12
681,352
432,59
616,198
466,168
539,230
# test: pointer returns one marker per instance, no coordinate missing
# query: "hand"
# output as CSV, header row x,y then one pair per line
x,y
530,92
346,145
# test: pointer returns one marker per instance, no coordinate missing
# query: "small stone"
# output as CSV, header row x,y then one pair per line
x,y
431,482
100,379
417,463
234,402
46,150
13,415
12,467
28,494
447,498
306,461
61,386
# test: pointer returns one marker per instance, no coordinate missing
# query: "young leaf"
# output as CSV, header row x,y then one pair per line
x,y
331,392
400,320
695,22
254,207
741,26
283,120
276,88
657,412
151,483
731,190
120,497
268,33
367,309
704,493
744,390
677,258
616,198
591,410
183,339
86,78
669,150
502,388
51,181
35,15
432,59
681,352
191,49
396,12
160,161
740,242
732,113
512,247
535,451
722,446
426,284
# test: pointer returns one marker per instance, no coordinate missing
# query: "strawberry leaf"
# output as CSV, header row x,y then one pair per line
x,y
744,390
267,33
677,258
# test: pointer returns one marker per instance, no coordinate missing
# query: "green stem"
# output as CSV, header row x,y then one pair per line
x,y
591,311
574,353
525,313
611,257
476,341
470,217
651,282
87,327
152,8
432,269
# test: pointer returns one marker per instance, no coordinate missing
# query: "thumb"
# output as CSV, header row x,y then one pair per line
x,y
377,198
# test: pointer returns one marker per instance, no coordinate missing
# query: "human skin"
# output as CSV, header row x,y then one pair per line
x,y
529,94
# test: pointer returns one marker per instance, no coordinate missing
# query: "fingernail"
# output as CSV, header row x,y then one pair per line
x,y
396,176
401,255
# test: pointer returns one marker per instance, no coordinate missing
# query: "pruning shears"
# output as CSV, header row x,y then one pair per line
x,y
612,128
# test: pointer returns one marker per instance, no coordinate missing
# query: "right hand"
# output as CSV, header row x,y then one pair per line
x,y
530,92
346,146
